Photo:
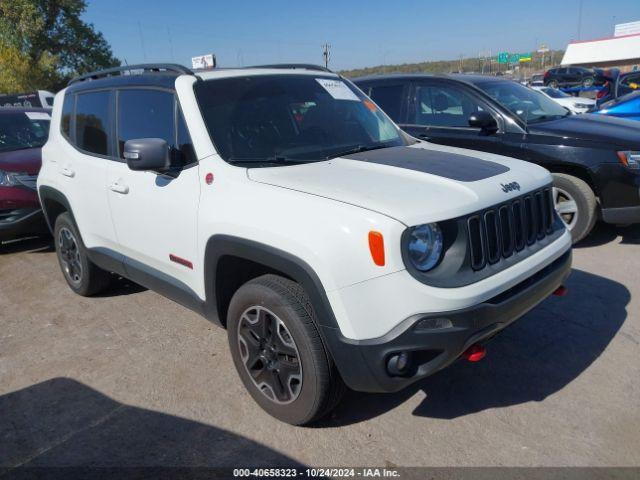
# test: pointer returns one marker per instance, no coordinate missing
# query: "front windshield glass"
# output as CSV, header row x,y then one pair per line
x,y
20,130
555,93
298,118
528,105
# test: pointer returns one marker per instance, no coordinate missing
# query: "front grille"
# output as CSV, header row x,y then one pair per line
x,y
500,231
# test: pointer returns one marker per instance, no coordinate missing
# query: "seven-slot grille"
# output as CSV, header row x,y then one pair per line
x,y
499,231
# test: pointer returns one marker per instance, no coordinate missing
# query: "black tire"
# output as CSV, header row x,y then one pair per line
x,y
82,275
553,84
281,300
579,192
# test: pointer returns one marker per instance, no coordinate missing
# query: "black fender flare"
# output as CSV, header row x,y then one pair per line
x,y
49,193
219,246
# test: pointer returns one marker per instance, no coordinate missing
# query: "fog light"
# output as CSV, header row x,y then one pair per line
x,y
398,364
433,324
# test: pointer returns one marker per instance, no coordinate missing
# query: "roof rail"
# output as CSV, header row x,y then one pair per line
x,y
149,67
301,66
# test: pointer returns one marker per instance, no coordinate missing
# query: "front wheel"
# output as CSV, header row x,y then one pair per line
x,y
278,352
576,204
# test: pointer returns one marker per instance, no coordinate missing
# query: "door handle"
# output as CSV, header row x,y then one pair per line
x,y
67,172
116,187
424,136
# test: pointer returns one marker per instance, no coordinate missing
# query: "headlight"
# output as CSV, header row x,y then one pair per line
x,y
10,179
630,159
425,246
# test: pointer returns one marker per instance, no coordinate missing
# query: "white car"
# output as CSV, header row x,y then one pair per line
x,y
574,104
283,204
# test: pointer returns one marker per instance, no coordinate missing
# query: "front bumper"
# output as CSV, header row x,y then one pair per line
x,y
21,222
363,363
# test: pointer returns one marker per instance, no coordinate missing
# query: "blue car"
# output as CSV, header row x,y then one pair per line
x,y
626,106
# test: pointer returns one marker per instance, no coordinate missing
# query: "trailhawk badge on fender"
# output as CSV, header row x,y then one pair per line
x,y
509,187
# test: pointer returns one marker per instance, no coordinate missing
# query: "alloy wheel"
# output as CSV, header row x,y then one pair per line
x,y
566,207
270,355
70,256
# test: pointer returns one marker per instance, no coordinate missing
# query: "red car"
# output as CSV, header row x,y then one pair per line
x,y
23,132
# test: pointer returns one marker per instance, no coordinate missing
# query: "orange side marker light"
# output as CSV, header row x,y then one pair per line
x,y
376,247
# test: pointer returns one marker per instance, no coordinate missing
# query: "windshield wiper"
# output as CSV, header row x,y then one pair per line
x,y
357,149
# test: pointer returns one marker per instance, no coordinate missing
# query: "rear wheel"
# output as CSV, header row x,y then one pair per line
x,y
553,84
278,352
587,82
82,275
576,204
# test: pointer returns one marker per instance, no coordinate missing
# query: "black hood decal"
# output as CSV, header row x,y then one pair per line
x,y
462,168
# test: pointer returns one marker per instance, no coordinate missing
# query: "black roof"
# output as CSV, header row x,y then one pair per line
x,y
159,79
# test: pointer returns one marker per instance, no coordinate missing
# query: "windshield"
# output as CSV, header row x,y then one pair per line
x,y
528,105
555,93
20,130
300,118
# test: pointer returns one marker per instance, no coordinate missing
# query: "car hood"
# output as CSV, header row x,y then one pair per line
x,y
595,128
27,160
418,184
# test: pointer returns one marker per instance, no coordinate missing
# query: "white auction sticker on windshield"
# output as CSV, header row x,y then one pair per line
x,y
37,116
337,89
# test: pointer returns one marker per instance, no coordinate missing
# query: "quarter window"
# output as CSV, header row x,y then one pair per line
x,y
93,122
67,112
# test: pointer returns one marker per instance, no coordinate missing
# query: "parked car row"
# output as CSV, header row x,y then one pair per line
x,y
574,104
337,244
593,158
23,132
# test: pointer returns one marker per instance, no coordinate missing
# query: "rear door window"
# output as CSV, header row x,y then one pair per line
x,y
93,122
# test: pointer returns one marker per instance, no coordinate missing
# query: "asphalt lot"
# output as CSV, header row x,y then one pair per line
x,y
130,378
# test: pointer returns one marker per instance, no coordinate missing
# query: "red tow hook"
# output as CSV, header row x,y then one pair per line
x,y
561,291
475,353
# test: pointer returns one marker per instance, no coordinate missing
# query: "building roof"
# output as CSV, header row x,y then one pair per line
x,y
613,49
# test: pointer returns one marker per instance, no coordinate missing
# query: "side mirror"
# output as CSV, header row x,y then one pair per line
x,y
484,121
147,154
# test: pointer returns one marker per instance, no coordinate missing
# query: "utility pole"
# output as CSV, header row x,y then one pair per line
x,y
144,51
326,53
580,20
170,43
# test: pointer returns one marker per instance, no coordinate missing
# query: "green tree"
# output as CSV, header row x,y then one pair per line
x,y
45,42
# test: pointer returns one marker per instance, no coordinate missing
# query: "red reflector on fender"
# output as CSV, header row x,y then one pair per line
x,y
181,261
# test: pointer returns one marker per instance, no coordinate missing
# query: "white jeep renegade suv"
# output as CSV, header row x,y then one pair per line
x,y
283,204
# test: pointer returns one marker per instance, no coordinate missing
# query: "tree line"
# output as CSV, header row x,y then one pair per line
x,y
43,43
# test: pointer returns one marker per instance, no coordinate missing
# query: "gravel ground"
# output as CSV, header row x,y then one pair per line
x,y
130,378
